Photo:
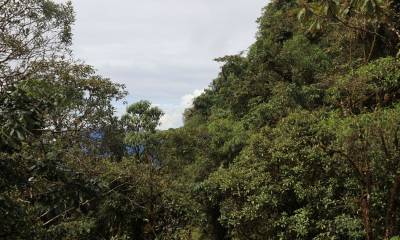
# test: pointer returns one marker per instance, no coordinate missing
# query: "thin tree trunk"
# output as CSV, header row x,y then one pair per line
x,y
365,205
391,214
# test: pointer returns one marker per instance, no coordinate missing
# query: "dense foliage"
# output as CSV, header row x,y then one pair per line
x,y
296,138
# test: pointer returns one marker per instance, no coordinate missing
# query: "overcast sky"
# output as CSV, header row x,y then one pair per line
x,y
163,50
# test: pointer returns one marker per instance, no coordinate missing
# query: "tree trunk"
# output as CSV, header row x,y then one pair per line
x,y
391,214
366,217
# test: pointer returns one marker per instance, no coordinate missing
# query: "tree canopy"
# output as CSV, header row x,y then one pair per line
x,y
296,138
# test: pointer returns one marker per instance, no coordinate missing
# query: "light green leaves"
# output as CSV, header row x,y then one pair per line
x,y
140,122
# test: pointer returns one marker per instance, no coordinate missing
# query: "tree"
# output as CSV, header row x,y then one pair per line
x,y
141,121
31,30
374,22
297,138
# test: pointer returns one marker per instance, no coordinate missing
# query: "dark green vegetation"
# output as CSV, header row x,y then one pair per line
x,y
298,138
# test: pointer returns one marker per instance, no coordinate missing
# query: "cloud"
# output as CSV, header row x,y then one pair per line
x,y
162,49
187,100
174,113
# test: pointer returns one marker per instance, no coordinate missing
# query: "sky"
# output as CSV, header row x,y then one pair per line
x,y
162,50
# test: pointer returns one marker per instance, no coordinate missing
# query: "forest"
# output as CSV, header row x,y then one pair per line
x,y
297,137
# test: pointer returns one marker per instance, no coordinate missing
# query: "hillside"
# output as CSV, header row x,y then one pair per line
x,y
296,138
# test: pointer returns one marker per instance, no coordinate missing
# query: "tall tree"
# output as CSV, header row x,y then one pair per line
x,y
31,30
141,121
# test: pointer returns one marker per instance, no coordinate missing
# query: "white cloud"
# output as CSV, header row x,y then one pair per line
x,y
187,100
173,117
162,49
